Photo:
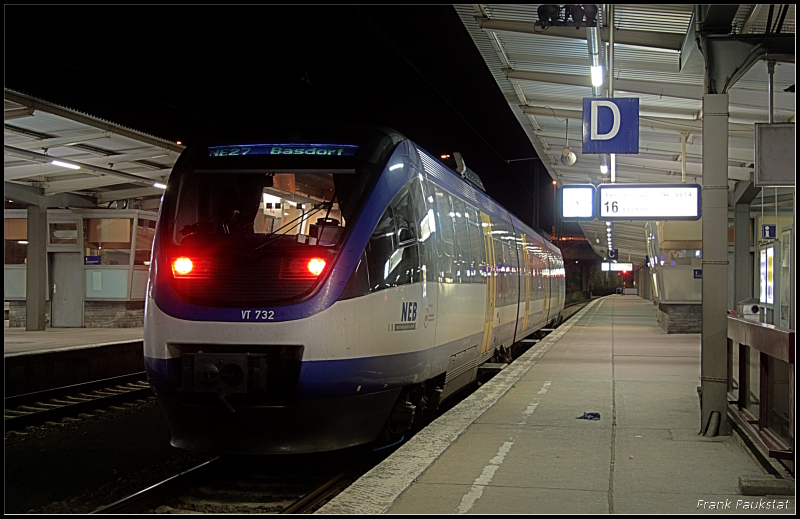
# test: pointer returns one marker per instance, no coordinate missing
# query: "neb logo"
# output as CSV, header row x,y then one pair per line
x,y
409,312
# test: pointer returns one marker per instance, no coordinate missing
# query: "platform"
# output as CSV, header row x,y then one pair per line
x,y
56,357
19,341
516,446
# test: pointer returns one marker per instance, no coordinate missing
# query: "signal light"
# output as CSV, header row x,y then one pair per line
x,y
182,266
316,265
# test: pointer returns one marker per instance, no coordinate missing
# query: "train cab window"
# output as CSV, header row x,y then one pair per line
x,y
392,253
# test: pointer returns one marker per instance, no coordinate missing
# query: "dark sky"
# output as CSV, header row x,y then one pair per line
x,y
178,71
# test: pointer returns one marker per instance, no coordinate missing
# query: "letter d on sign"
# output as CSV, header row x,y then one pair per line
x,y
614,128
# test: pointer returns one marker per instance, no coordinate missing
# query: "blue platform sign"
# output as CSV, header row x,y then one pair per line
x,y
610,125
92,260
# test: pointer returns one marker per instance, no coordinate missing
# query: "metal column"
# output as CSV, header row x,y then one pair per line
x,y
36,271
713,374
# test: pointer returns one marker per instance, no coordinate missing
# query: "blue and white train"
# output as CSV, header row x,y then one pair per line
x,y
316,289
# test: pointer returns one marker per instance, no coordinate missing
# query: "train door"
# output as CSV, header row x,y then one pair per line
x,y
67,291
423,212
524,313
546,281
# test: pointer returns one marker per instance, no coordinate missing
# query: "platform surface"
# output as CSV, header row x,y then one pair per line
x,y
19,341
516,446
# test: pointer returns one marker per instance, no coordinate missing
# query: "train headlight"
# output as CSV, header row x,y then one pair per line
x,y
316,265
182,266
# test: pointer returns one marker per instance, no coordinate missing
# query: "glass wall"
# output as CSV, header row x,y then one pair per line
x,y
15,233
107,240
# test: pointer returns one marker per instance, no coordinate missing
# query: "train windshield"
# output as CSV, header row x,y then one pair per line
x,y
292,189
256,223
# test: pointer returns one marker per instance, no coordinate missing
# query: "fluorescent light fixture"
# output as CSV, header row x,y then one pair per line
x,y
23,242
603,169
159,185
65,165
597,76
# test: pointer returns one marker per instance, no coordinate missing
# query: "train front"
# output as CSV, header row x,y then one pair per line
x,y
256,240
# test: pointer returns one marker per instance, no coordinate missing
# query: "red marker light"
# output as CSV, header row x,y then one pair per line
x,y
182,266
316,265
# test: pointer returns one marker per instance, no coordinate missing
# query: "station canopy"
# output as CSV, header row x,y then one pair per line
x,y
116,164
545,74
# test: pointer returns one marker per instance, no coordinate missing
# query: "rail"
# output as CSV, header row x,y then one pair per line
x,y
761,384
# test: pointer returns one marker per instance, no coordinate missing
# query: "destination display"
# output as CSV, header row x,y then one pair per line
x,y
322,150
649,201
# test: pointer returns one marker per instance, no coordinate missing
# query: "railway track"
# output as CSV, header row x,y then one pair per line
x,y
72,401
296,484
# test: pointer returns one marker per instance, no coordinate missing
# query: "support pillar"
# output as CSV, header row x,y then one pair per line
x,y
36,271
714,355
742,288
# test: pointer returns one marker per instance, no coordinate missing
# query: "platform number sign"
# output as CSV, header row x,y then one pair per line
x,y
610,125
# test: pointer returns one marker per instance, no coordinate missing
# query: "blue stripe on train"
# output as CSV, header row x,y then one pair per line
x,y
322,378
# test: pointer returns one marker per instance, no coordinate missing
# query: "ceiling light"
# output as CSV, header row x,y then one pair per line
x,y
65,165
159,185
603,168
597,76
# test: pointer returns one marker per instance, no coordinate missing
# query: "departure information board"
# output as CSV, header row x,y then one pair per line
x,y
648,202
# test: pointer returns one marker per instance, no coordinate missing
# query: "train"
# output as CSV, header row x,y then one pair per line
x,y
319,288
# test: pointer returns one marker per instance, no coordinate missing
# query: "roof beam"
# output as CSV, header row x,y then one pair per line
x,y
124,194
46,159
751,17
632,162
55,142
17,113
645,121
82,184
657,40
736,97
695,150
35,196
31,170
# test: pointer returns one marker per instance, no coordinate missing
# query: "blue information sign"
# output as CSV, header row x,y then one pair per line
x,y
91,260
698,273
610,125
769,232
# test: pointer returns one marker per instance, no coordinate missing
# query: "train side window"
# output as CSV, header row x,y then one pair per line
x,y
447,237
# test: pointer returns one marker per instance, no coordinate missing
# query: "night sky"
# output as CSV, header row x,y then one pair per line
x,y
179,71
